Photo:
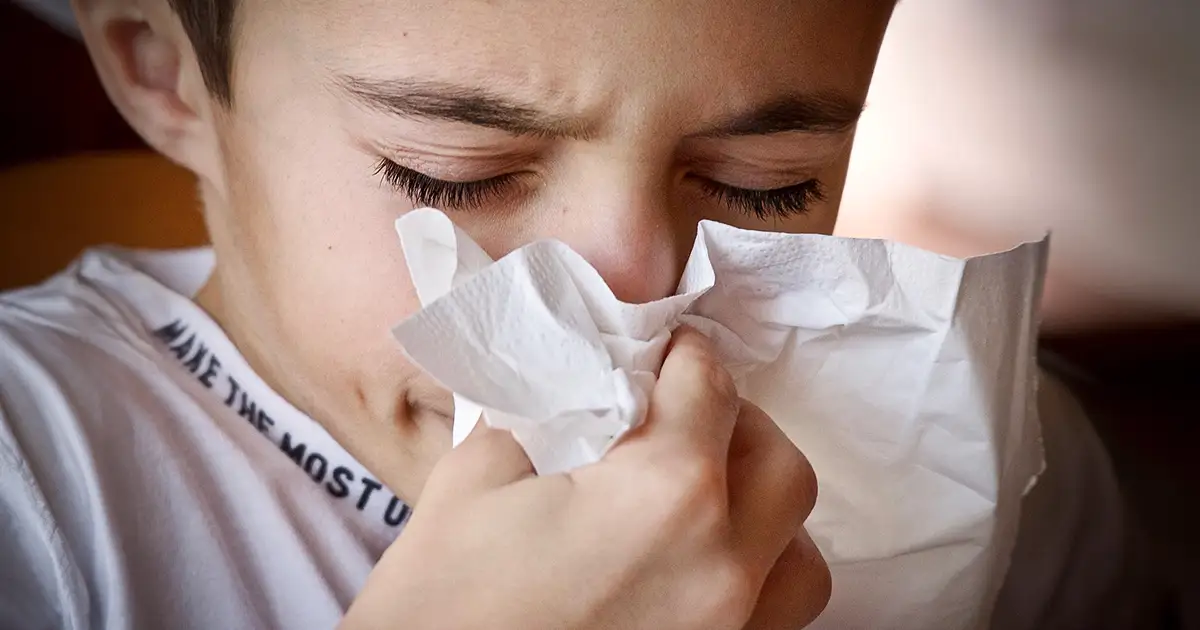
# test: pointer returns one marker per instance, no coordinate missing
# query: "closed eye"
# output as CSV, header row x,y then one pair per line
x,y
424,190
775,203
438,193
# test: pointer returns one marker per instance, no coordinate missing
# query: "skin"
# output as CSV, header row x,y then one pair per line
x,y
310,277
689,523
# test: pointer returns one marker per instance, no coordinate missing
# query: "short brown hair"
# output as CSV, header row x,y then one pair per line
x,y
209,24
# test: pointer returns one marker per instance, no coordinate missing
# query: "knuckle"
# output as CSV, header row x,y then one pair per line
x,y
801,480
817,586
751,413
822,586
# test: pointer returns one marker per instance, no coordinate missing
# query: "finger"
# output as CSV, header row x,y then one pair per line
x,y
488,458
797,589
694,402
772,487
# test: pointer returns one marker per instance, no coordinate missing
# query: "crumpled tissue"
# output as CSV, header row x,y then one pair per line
x,y
907,378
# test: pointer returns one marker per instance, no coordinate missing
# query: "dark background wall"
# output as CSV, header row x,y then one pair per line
x,y
52,103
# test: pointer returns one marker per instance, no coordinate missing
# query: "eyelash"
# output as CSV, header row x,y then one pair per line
x,y
426,191
777,203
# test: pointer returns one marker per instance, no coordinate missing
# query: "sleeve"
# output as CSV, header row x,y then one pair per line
x,y
41,586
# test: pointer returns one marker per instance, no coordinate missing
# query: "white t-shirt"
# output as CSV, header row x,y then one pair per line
x,y
149,479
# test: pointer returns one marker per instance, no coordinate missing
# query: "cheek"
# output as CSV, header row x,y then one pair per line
x,y
337,257
324,272
313,224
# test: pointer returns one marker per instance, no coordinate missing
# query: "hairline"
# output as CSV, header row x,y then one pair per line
x,y
210,26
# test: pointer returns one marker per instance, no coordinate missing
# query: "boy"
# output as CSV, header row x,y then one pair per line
x,y
151,402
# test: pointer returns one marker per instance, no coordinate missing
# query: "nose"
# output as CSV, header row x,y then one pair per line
x,y
629,232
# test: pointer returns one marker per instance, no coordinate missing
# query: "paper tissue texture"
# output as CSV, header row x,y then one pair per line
x,y
907,379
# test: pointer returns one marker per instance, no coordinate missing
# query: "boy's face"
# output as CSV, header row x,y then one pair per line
x,y
613,126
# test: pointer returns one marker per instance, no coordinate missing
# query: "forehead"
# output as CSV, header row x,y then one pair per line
x,y
580,50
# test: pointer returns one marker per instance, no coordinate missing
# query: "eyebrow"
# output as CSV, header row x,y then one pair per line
x,y
461,104
822,113
807,113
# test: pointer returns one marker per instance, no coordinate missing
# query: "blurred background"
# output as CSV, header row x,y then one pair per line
x,y
989,123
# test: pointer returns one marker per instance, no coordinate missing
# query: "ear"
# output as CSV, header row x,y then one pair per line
x,y
149,69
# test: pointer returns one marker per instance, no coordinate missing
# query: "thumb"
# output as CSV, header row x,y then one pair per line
x,y
488,458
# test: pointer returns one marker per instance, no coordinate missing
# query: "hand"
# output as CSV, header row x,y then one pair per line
x,y
689,522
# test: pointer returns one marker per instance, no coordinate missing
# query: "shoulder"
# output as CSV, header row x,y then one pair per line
x,y
70,308
1073,565
41,329
59,341
94,317
68,351
83,379
74,355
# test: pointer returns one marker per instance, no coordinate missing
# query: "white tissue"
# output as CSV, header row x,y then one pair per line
x,y
907,379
